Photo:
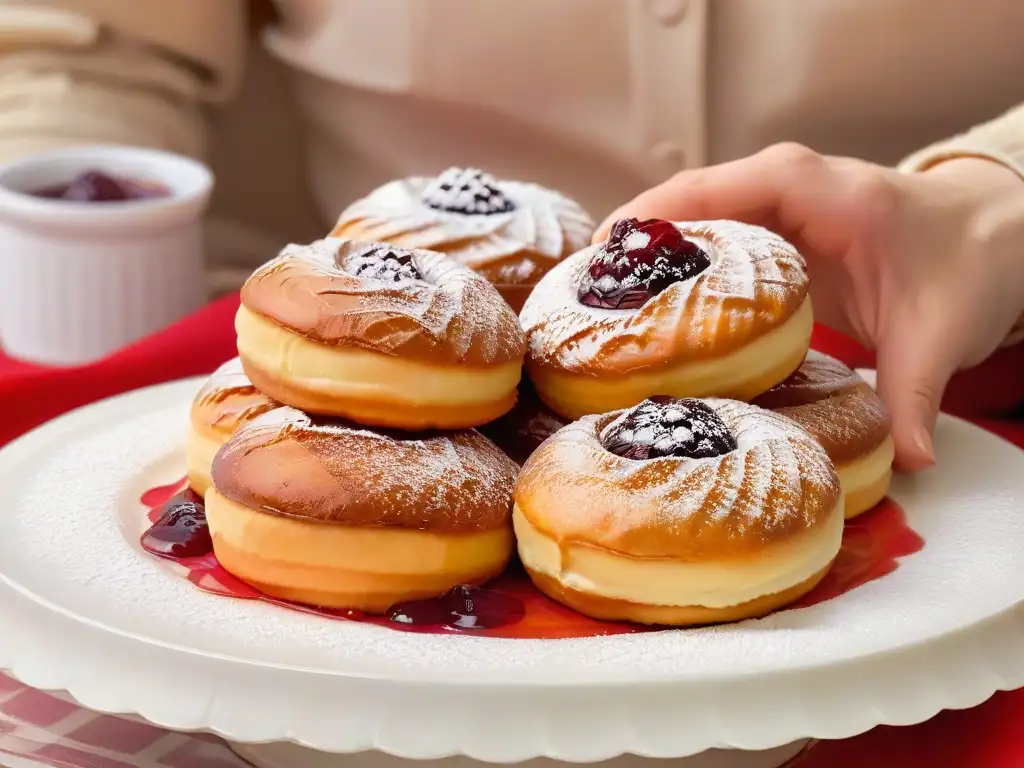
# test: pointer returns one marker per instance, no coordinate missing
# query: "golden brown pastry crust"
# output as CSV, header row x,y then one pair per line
x,y
860,499
450,317
336,590
228,400
777,484
382,412
612,609
756,282
834,404
510,248
287,463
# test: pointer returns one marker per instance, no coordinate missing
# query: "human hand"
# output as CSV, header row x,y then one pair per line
x,y
925,268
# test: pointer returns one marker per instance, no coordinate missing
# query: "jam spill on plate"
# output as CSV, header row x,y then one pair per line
x,y
873,543
180,531
509,606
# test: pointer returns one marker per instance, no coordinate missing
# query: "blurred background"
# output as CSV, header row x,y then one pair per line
x,y
257,151
597,98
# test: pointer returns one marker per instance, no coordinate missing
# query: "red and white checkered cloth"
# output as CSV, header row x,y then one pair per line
x,y
39,729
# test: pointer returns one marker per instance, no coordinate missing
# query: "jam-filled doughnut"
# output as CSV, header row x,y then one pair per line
x,y
679,512
380,335
714,308
332,514
227,401
510,232
843,413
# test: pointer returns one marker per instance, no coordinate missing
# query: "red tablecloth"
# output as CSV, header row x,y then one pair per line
x,y
989,736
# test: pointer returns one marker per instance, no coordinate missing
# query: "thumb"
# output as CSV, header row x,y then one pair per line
x,y
914,367
752,190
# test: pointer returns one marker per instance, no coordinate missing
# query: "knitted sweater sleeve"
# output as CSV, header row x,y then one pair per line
x,y
1000,140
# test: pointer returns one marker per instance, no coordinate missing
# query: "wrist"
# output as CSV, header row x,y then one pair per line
x,y
996,192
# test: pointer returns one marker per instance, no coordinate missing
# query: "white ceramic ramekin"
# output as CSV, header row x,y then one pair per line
x,y
80,280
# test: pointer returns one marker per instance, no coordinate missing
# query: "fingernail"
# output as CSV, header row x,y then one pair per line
x,y
923,442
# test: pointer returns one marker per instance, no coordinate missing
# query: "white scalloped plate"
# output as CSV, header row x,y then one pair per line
x,y
83,609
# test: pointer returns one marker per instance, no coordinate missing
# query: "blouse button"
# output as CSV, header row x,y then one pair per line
x,y
668,13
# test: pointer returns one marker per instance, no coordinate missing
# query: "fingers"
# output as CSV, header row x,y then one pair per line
x,y
915,364
752,190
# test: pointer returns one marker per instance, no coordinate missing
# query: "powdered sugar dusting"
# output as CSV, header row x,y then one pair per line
x,y
458,481
776,482
384,263
228,377
467,191
429,306
228,398
637,261
848,425
756,281
635,241
834,404
512,246
668,427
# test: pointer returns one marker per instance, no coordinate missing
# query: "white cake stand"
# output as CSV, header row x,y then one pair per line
x,y
84,610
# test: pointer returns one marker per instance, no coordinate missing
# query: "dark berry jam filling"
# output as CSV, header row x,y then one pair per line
x,y
665,426
100,187
468,608
639,260
181,530
468,191
384,263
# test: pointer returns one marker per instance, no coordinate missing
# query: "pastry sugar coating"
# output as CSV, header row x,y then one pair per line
x,y
679,511
508,231
330,513
227,401
381,335
693,309
841,411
